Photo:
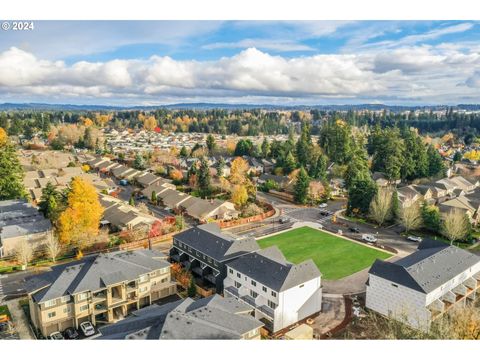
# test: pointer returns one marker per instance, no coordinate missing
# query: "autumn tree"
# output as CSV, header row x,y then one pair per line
x,y
79,222
176,175
239,195
456,226
3,137
150,123
381,206
53,247
411,217
238,171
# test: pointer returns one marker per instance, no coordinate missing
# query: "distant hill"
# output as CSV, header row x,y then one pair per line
x,y
206,106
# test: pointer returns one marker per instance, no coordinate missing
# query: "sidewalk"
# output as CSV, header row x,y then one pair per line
x,y
19,320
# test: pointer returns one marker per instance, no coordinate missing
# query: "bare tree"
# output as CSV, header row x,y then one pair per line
x,y
381,206
143,208
411,217
24,252
53,247
455,225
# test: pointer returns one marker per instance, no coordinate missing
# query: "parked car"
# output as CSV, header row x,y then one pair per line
x,y
284,220
324,212
323,205
70,333
87,328
369,238
354,229
56,336
414,238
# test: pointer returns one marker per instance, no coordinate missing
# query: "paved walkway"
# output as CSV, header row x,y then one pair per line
x,y
333,313
19,320
352,284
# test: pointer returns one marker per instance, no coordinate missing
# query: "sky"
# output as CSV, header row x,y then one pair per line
x,y
243,62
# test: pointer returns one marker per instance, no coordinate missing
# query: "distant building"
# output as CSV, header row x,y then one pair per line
x,y
423,286
19,221
211,318
100,288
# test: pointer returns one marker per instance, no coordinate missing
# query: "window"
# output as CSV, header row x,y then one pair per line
x,y
67,310
264,288
271,305
164,280
395,285
237,284
254,283
301,285
253,333
50,303
51,314
274,294
84,308
82,296
238,275
143,278
253,294
230,271
142,289
65,299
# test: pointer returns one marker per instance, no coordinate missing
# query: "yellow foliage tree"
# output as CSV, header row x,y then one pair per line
x,y
3,137
78,224
86,168
238,171
473,155
102,119
150,123
239,195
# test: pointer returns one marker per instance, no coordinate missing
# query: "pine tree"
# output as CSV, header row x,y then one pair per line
x,y
203,176
289,164
11,172
211,145
50,204
301,187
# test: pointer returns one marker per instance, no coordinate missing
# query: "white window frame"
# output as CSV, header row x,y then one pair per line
x,y
50,303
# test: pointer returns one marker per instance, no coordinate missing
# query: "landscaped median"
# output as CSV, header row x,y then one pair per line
x,y
335,256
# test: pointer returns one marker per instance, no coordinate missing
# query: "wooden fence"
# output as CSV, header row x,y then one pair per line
x,y
229,223
143,244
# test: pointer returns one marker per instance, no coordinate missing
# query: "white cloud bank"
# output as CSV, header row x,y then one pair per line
x,y
422,74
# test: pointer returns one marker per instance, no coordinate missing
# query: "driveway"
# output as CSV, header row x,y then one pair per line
x,y
19,320
332,315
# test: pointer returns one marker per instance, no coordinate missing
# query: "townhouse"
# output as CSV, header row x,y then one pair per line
x,y
205,251
20,221
100,288
209,318
280,293
424,285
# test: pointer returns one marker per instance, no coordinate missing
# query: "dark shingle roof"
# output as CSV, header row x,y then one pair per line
x,y
432,265
209,240
209,318
270,268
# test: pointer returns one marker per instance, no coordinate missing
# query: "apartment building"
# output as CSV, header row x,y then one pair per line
x,y
209,318
423,286
279,292
100,288
205,251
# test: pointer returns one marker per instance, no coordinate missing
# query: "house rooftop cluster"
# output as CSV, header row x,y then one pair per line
x,y
209,318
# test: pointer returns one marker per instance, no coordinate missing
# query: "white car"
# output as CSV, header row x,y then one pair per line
x,y
323,205
414,238
87,328
56,336
369,238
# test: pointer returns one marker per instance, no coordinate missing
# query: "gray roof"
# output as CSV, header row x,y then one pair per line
x,y
18,218
209,318
432,265
270,268
147,179
94,273
209,240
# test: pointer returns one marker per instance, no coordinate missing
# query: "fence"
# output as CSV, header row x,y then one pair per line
x,y
144,243
229,223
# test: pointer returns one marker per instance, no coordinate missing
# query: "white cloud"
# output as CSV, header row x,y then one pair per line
x,y
424,73
282,46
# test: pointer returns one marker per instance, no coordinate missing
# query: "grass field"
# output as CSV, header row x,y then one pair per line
x,y
334,256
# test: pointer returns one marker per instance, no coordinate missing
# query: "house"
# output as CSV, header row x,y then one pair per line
x,y
157,188
424,285
279,292
215,209
120,216
205,251
20,221
408,195
147,179
282,181
100,288
337,186
209,318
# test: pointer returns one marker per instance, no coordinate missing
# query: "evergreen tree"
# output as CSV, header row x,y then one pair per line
x,y
301,187
192,289
154,197
304,147
203,176
335,139
436,166
139,163
220,166
11,173
131,201
360,195
388,153
431,218
211,144
265,148
51,203
289,164
183,152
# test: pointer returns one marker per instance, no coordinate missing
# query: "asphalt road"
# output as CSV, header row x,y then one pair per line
x,y
13,284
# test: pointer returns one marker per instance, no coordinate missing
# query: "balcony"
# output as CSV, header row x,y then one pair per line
x,y
101,296
232,290
100,308
249,300
267,311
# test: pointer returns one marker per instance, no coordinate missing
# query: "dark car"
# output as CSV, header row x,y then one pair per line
x,y
70,333
284,220
354,230
324,212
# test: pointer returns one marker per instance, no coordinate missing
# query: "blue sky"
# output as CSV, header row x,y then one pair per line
x,y
281,62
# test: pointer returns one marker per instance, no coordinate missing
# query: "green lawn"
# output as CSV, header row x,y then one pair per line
x,y
334,256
